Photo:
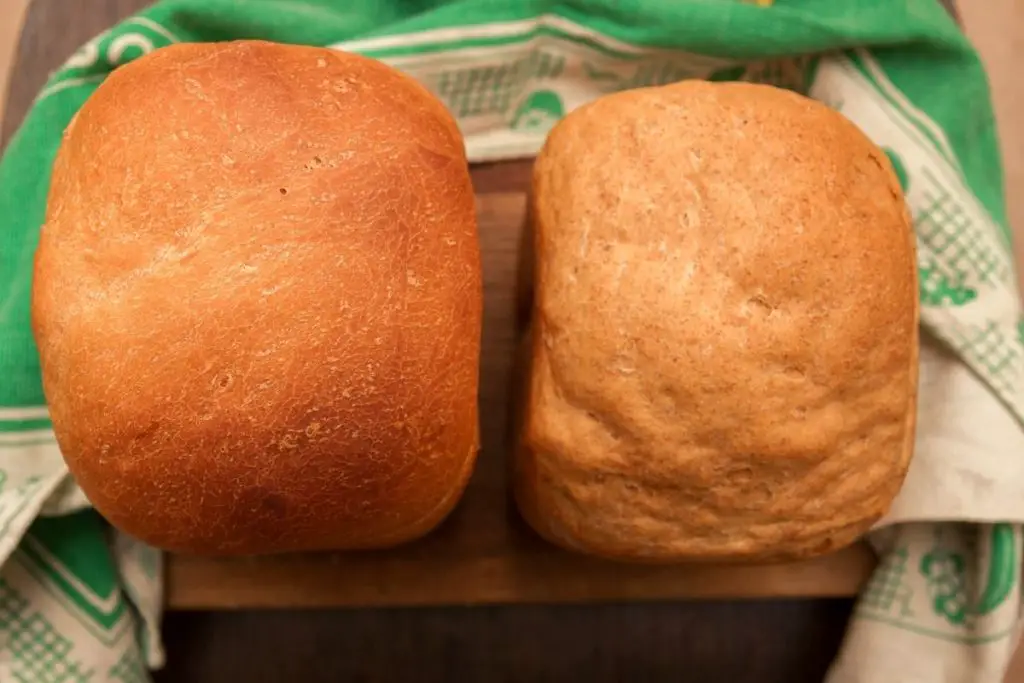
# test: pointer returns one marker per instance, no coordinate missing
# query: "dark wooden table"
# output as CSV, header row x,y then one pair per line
x,y
735,641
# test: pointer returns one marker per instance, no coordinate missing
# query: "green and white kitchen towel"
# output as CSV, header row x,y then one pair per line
x,y
78,603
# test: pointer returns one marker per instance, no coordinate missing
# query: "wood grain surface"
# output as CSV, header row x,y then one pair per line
x,y
704,642
484,553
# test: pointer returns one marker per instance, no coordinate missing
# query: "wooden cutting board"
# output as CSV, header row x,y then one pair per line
x,y
484,553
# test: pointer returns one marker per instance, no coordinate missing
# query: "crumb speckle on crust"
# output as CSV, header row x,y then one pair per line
x,y
258,312
725,328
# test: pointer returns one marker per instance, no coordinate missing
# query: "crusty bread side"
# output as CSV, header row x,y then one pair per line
x,y
258,301
725,328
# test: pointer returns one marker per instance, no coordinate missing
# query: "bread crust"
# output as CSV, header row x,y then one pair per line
x,y
258,301
725,318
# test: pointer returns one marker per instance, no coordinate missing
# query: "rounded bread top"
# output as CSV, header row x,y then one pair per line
x,y
257,300
726,316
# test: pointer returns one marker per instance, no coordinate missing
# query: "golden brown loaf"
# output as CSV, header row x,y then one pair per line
x,y
725,336
257,301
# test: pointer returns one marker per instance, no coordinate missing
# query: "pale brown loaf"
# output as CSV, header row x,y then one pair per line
x,y
257,301
724,359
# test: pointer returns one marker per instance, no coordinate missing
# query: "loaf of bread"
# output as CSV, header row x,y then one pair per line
x,y
725,328
257,301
